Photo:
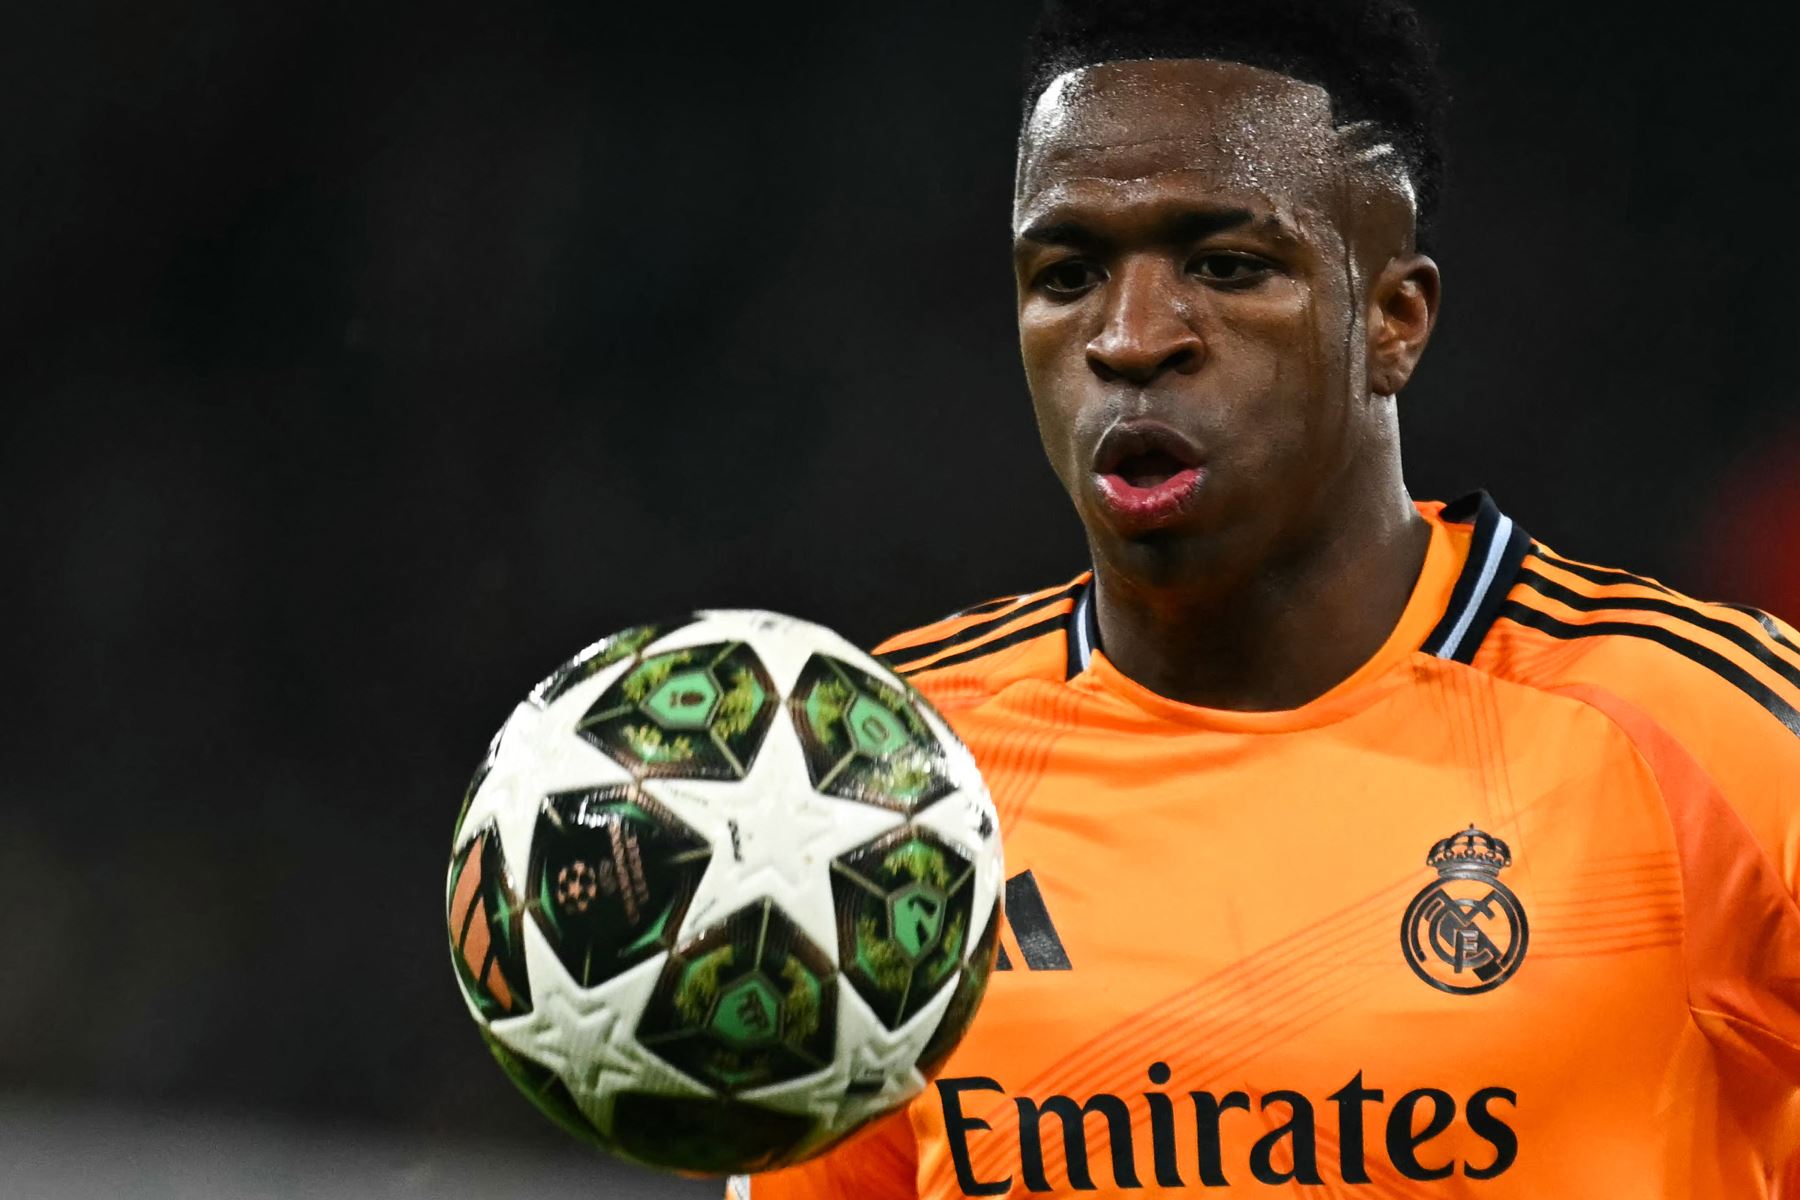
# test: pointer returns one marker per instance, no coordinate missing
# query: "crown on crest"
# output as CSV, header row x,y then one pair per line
x,y
1470,850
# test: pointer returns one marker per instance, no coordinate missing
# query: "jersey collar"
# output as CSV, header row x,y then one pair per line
x,y
1496,549
1497,546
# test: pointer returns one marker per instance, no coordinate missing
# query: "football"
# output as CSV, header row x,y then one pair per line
x,y
723,890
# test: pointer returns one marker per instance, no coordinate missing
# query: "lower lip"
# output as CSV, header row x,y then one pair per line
x,y
1154,504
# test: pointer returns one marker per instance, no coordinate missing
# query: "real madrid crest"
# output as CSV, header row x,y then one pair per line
x,y
1466,932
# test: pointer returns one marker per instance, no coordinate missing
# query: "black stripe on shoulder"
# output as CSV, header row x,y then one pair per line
x,y
1605,576
1769,624
906,657
1030,632
1737,635
1717,663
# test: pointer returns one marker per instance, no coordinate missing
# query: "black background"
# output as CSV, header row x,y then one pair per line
x,y
364,360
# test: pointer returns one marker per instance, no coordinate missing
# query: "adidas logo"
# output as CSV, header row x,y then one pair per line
x,y
1032,928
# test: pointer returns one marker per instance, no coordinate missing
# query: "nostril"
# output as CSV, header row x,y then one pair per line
x,y
1184,361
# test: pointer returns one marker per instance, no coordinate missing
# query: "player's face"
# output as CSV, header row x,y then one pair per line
x,y
1191,304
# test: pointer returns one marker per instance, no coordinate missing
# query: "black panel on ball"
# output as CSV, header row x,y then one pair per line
x,y
903,913
746,1003
863,738
700,712
611,875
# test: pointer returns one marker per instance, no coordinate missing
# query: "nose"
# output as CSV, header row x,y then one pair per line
x,y
1146,329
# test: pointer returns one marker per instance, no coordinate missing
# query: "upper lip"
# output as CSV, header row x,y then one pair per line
x,y
1128,439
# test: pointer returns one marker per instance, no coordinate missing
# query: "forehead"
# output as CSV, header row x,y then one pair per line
x,y
1119,132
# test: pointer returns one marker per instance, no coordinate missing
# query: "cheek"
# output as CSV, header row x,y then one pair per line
x,y
1284,356
1052,350
1320,377
1266,346
1050,339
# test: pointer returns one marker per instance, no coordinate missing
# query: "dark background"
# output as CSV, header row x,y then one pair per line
x,y
362,360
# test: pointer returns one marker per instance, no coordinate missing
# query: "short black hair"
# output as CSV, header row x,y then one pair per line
x,y
1373,57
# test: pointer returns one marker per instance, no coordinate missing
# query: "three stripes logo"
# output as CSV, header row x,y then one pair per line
x,y
1029,920
1699,633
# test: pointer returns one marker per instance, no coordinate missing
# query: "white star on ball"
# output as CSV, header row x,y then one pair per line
x,y
772,836
537,753
585,1034
877,1075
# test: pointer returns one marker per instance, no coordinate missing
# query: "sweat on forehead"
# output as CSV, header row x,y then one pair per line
x,y
1242,126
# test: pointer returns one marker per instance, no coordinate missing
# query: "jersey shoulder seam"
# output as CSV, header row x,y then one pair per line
x,y
1791,906
1749,1024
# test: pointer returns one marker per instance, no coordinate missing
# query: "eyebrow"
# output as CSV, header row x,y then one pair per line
x,y
1188,225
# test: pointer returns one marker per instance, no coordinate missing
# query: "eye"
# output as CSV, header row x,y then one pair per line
x,y
1068,279
1238,269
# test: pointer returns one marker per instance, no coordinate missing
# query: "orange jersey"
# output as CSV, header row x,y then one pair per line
x,y
1509,912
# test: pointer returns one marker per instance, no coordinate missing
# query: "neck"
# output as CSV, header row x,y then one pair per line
x,y
1278,632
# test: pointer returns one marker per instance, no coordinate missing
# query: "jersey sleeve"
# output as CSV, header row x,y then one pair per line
x,y
1747,737
1741,919
878,1163
1723,681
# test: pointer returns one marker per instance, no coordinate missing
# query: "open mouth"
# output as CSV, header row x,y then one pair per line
x,y
1149,468
1146,471
1144,452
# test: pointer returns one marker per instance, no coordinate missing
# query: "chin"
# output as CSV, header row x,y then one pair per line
x,y
1204,544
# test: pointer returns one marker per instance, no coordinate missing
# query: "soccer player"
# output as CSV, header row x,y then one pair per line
x,y
1355,844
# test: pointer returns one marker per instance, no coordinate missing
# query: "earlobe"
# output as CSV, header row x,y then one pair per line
x,y
1403,307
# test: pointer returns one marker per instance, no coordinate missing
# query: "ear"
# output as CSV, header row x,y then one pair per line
x,y
1403,308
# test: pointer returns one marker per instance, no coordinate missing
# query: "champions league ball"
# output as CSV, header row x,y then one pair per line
x,y
722,891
